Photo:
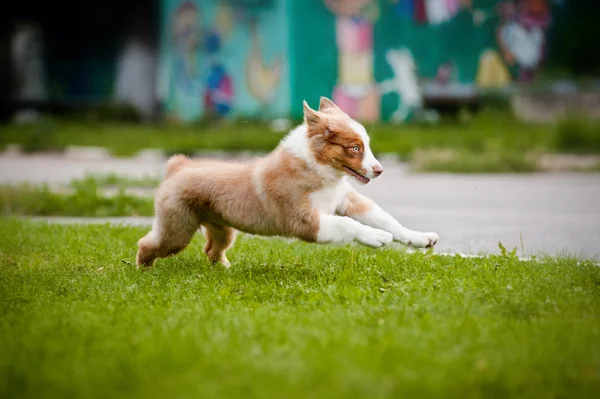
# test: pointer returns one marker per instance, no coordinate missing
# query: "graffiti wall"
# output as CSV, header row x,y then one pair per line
x,y
378,59
224,58
389,55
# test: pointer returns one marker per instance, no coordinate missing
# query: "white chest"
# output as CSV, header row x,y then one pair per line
x,y
328,199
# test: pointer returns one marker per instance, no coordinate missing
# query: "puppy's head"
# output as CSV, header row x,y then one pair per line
x,y
339,141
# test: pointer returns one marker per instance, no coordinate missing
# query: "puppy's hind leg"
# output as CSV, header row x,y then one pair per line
x,y
218,240
173,228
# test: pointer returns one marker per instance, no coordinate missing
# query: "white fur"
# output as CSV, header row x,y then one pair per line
x,y
326,200
261,197
341,229
373,228
296,142
257,180
369,160
380,219
336,229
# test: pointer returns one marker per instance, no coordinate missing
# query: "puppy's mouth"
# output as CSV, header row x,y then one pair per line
x,y
360,178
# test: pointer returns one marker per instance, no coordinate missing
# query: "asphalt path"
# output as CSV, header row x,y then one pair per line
x,y
540,214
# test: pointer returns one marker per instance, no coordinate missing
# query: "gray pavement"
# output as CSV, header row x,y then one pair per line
x,y
553,214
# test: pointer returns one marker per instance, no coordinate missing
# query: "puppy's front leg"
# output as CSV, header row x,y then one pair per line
x,y
364,210
340,229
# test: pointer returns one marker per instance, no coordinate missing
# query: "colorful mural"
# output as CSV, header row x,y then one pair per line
x,y
355,91
389,58
403,83
262,79
521,35
223,58
429,11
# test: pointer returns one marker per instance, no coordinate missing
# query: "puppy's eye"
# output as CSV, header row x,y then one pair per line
x,y
356,148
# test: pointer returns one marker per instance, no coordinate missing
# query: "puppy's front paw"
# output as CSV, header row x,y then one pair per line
x,y
424,240
374,238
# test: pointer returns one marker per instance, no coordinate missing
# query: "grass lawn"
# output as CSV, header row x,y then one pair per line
x,y
491,141
288,321
83,198
488,131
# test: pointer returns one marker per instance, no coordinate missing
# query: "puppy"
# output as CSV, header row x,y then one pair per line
x,y
299,190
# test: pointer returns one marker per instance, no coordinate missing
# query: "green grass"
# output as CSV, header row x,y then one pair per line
x,y
288,320
490,141
463,161
127,139
84,200
578,135
486,130
112,180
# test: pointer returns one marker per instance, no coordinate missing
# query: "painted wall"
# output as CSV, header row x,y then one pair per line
x,y
378,59
390,54
224,58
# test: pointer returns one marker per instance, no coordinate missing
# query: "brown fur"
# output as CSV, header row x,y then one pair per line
x,y
332,137
267,196
218,196
355,204
175,163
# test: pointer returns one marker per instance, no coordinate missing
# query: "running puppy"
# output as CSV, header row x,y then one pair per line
x,y
299,190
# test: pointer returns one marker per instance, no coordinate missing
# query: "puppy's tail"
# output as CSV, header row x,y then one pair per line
x,y
175,163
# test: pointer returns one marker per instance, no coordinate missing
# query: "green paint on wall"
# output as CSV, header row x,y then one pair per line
x,y
313,53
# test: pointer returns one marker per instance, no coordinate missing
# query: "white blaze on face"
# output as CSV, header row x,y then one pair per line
x,y
369,161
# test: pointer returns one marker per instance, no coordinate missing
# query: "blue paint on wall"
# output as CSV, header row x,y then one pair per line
x,y
222,59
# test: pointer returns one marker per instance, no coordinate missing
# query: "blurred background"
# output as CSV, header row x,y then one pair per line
x,y
485,115
381,60
111,88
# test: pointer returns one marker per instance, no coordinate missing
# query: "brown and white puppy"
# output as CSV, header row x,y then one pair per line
x,y
299,190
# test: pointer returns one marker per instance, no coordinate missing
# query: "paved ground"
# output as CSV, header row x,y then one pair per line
x,y
545,213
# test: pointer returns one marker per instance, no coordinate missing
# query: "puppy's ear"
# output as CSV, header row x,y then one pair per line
x,y
328,133
313,118
327,104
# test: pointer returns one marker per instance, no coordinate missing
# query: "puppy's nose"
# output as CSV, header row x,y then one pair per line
x,y
377,170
